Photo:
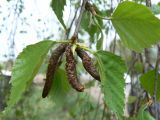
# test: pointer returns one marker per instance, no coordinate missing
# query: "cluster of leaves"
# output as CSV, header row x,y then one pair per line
x,y
137,27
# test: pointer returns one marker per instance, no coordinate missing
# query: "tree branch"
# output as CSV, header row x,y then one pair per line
x,y
69,29
148,3
79,18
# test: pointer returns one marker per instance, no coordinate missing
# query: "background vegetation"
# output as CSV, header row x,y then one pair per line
x,y
117,28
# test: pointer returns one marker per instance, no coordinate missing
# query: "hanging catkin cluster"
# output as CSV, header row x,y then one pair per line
x,y
70,67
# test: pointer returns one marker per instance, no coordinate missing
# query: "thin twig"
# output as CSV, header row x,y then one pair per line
x,y
147,52
147,59
111,7
104,18
69,13
12,33
80,18
148,3
114,44
70,27
132,63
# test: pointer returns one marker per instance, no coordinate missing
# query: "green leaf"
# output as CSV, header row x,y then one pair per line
x,y
58,7
111,69
25,68
144,115
137,27
90,27
60,87
147,82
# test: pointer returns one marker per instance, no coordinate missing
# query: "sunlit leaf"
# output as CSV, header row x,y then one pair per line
x,y
111,69
137,27
58,7
25,68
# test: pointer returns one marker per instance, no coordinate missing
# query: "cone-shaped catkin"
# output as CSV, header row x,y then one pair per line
x,y
87,63
71,70
53,64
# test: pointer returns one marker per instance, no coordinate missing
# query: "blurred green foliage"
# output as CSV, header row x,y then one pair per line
x,y
77,106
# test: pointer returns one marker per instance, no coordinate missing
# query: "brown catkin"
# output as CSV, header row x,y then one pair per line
x,y
71,70
53,63
87,63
